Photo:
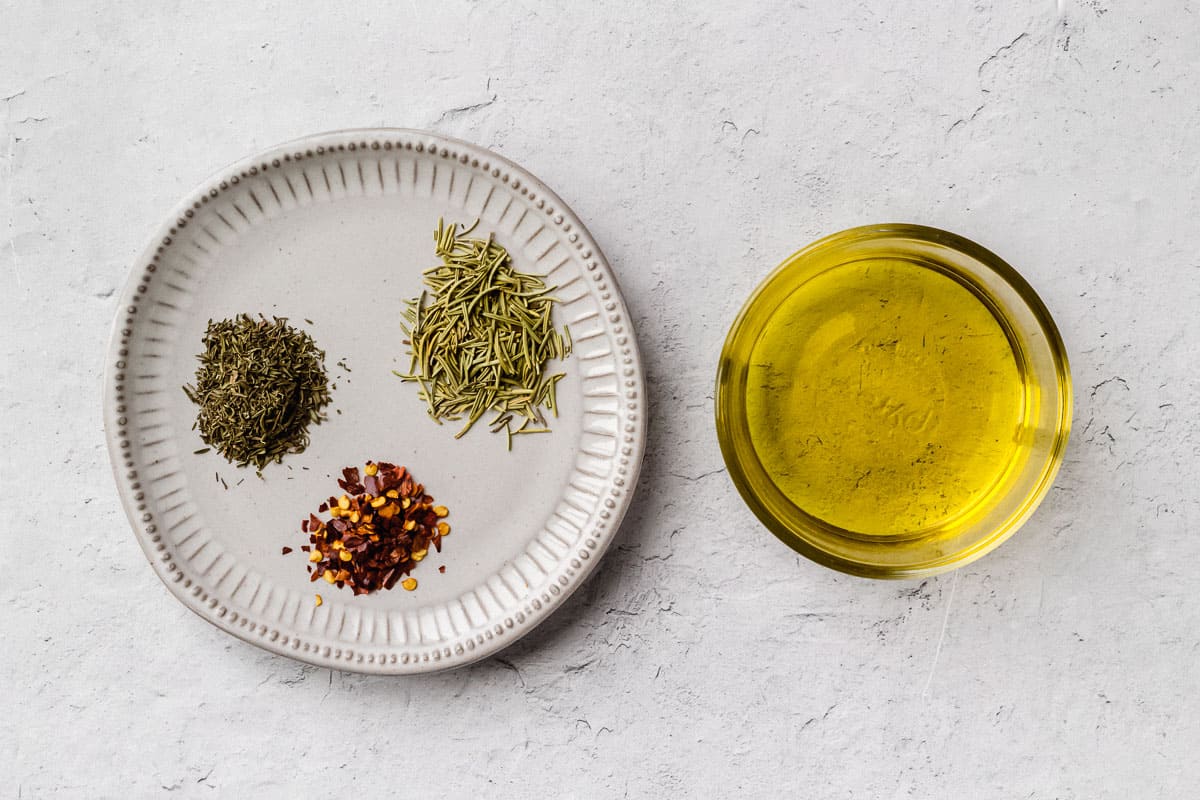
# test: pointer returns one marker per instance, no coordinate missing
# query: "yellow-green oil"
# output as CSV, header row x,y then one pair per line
x,y
883,398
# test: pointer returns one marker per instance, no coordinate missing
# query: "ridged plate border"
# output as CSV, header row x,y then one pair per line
x,y
477,632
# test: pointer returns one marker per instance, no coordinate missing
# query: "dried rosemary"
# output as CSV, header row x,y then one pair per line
x,y
480,337
260,384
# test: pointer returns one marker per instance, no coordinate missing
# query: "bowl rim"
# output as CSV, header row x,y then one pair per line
x,y
794,536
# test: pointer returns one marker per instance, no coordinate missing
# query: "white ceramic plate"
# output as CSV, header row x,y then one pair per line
x,y
335,229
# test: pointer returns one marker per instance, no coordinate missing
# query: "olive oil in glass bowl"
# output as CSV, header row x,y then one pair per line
x,y
893,401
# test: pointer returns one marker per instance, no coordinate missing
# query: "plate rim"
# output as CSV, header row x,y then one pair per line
x,y
614,499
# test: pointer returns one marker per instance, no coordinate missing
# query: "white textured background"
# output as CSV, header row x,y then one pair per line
x,y
700,144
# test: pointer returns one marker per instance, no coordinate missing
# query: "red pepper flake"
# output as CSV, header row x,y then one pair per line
x,y
377,532
442,568
287,550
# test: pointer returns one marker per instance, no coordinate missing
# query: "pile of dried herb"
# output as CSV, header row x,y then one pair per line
x,y
479,339
259,386
376,533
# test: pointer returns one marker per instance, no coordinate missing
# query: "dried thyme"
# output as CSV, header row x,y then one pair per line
x,y
480,337
259,386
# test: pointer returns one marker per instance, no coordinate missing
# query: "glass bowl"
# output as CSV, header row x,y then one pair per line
x,y
893,401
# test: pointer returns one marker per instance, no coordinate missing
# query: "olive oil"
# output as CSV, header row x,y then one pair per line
x,y
884,399
893,401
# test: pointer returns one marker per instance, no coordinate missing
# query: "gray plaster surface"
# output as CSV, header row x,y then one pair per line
x,y
701,143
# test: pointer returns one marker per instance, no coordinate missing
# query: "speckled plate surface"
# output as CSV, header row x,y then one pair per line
x,y
336,228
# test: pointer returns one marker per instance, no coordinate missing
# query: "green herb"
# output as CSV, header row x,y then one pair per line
x,y
480,337
260,384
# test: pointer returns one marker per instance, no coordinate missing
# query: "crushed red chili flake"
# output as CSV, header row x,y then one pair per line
x,y
287,550
377,531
